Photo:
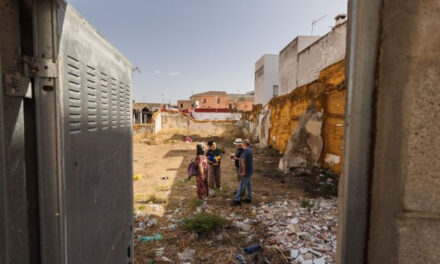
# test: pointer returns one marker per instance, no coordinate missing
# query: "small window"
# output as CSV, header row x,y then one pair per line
x,y
275,90
204,100
218,100
181,105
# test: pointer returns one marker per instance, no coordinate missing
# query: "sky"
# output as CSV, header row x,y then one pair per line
x,y
189,46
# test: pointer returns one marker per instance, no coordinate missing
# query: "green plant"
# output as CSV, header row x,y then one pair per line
x,y
155,200
305,203
204,222
194,203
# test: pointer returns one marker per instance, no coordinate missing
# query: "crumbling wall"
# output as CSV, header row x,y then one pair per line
x,y
305,146
177,122
278,121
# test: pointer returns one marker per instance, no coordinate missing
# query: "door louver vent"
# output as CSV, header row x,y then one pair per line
x,y
114,103
104,100
74,91
91,98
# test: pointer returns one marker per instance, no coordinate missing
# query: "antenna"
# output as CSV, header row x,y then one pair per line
x,y
316,21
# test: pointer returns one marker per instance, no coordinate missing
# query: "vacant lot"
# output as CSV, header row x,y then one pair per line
x,y
278,218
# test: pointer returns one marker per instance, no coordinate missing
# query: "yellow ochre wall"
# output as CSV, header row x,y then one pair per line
x,y
328,95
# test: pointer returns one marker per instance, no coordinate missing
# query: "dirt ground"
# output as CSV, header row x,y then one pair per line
x,y
163,193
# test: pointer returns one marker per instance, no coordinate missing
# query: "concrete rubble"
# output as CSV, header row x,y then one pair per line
x,y
307,235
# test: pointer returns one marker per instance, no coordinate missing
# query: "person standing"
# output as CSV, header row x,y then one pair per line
x,y
214,171
236,157
202,175
246,171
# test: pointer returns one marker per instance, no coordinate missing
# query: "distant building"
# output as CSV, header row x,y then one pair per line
x,y
240,102
142,113
211,99
288,62
266,79
185,104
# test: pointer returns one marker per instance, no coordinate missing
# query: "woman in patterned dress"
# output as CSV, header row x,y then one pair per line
x,y
202,176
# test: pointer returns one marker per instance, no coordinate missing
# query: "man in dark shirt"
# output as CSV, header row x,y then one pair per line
x,y
246,171
214,169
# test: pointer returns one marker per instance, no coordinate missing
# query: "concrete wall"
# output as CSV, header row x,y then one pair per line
x,y
271,76
177,122
405,194
216,116
288,62
266,76
322,53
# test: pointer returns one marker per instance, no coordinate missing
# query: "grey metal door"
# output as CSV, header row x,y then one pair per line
x,y
96,144
65,139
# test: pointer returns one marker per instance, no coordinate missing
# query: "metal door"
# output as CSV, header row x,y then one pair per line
x,y
65,140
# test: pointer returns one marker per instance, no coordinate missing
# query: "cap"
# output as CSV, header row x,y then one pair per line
x,y
238,141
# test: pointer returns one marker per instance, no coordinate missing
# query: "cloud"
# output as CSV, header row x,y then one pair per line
x,y
174,73
156,72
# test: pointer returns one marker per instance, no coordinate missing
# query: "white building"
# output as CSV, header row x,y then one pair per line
x,y
288,62
266,79
306,56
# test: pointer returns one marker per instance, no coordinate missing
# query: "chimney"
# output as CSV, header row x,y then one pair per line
x,y
340,18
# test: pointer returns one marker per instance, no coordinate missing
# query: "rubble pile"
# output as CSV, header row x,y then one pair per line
x,y
306,229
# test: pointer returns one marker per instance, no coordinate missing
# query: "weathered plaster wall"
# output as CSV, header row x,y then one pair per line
x,y
405,195
279,119
182,123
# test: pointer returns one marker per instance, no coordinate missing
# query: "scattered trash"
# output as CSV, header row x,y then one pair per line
x,y
240,258
173,227
152,222
157,237
165,259
187,254
150,261
252,249
165,177
188,139
137,176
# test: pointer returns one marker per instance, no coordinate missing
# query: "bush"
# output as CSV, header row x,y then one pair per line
x,y
204,223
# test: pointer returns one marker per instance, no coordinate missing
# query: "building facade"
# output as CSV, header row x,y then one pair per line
x,y
185,104
288,62
266,78
211,99
302,60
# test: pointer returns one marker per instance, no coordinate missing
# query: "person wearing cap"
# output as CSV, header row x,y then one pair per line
x,y
236,157
246,170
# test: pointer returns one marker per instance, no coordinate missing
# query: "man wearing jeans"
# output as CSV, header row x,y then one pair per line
x,y
246,170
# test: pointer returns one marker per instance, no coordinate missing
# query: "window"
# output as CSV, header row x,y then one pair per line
x,y
230,106
275,90
181,105
218,100
204,100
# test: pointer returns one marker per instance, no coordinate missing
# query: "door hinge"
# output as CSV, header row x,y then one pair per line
x,y
18,83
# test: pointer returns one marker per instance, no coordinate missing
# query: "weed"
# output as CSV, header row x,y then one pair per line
x,y
162,188
204,223
155,200
305,203
195,203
